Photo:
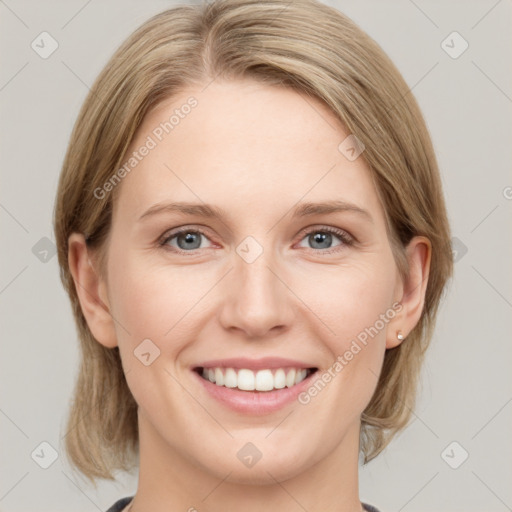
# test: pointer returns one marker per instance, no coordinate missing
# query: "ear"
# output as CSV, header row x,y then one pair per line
x,y
412,290
92,292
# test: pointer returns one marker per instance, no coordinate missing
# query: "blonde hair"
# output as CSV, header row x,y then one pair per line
x,y
280,43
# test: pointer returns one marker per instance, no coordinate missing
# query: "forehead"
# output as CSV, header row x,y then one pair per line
x,y
243,144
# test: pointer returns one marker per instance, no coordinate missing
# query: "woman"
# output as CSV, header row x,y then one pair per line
x,y
252,232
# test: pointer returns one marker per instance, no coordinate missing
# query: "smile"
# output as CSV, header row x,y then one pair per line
x,y
248,380
253,386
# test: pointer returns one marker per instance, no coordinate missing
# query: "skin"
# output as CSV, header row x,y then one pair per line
x,y
256,151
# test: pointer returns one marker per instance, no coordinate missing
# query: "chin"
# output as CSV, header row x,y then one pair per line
x,y
266,470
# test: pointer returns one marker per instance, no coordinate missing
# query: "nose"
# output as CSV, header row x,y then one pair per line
x,y
256,301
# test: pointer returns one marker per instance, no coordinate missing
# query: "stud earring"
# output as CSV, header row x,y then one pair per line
x,y
399,335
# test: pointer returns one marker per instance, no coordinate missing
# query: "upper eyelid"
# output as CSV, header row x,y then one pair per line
x,y
171,233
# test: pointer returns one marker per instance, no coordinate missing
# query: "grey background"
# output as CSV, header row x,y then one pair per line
x,y
466,390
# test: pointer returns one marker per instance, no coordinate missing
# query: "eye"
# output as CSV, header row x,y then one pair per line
x,y
184,239
322,238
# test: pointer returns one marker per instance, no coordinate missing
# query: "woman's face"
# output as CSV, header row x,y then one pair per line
x,y
256,281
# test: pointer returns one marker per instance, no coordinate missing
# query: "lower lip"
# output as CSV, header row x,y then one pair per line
x,y
255,402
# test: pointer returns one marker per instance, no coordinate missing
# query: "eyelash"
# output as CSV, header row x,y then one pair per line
x,y
346,239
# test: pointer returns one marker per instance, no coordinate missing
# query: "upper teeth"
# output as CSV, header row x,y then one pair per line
x,y
262,380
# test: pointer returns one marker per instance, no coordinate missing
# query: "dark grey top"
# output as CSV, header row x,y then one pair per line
x,y
120,504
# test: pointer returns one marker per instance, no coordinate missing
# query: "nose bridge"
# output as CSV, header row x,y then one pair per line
x,y
256,300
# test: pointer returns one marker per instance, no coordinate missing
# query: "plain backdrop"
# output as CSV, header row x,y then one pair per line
x,y
464,407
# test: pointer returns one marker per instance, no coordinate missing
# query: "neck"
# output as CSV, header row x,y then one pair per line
x,y
170,481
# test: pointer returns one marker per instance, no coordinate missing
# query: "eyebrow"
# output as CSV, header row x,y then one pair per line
x,y
210,211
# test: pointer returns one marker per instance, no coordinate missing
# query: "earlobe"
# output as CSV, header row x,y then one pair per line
x,y
91,291
413,291
394,338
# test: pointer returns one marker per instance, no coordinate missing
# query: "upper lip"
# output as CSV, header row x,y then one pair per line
x,y
254,364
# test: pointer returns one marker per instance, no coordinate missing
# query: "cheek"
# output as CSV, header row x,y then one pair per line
x,y
163,304
349,299
156,301
354,304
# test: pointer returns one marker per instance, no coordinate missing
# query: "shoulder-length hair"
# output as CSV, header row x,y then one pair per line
x,y
279,43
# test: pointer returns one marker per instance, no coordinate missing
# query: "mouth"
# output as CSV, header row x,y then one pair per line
x,y
250,386
263,380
